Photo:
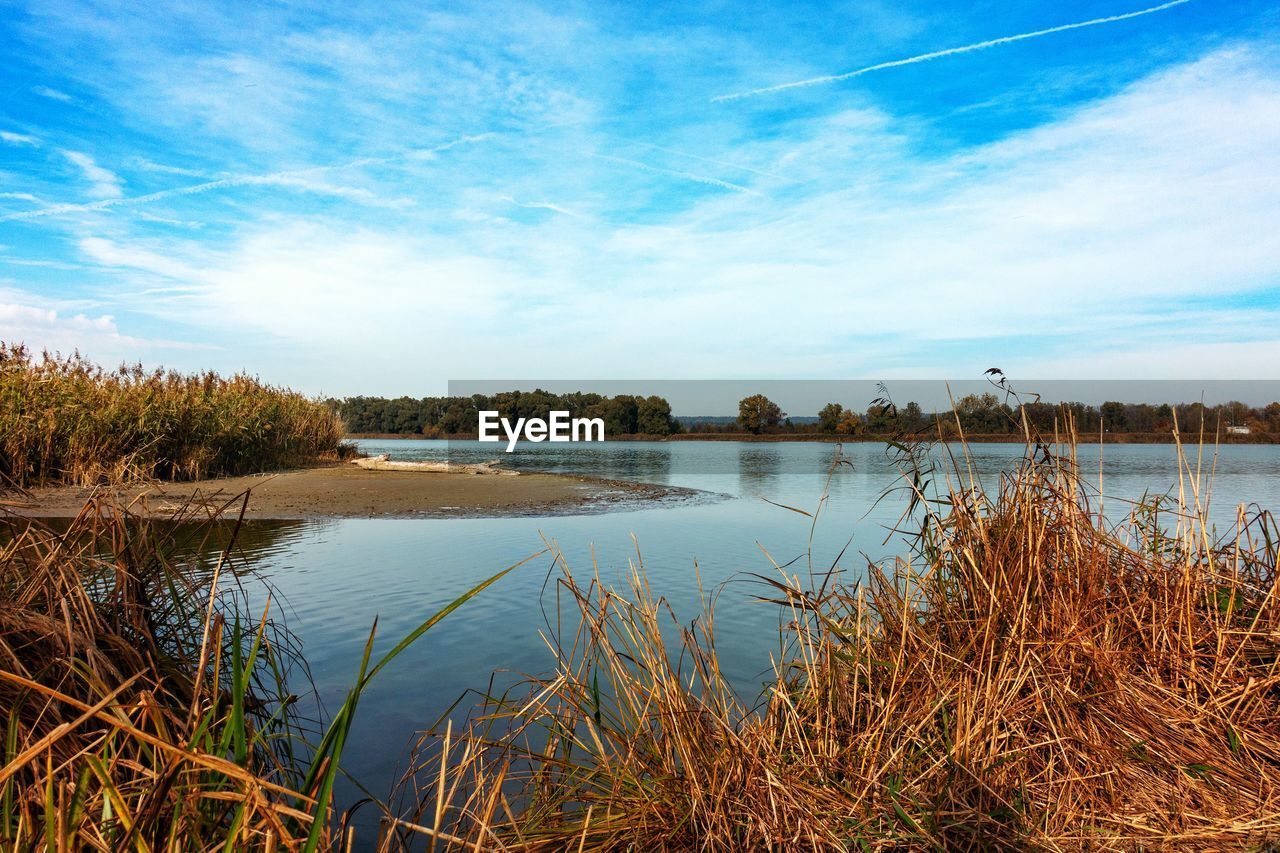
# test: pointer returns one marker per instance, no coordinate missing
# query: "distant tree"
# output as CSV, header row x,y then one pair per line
x,y
1235,413
850,423
984,414
911,418
829,417
1271,417
1113,416
461,416
621,414
653,416
758,413
879,418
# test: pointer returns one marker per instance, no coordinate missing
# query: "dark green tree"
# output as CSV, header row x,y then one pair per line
x,y
653,416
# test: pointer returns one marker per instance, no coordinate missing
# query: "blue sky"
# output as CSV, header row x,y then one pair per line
x,y
376,198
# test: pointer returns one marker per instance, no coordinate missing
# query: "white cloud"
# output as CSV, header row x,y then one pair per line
x,y
1080,245
307,183
66,326
40,262
110,254
164,168
168,220
1166,191
104,184
304,282
17,138
42,327
52,94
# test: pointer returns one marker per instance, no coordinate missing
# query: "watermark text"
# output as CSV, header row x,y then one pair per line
x,y
558,427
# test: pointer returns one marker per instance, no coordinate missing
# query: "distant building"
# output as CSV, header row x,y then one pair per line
x,y
1237,430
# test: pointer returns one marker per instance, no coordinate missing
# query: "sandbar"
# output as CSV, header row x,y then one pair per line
x,y
346,491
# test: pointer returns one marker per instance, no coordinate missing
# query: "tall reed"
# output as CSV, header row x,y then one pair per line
x,y
145,707
1028,676
66,420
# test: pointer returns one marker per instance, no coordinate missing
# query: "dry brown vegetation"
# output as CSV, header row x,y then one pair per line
x,y
136,714
145,707
1028,678
66,420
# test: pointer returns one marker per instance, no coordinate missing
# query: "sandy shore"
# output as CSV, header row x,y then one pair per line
x,y
350,492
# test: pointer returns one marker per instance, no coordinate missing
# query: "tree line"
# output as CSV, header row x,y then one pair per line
x,y
990,414
433,417
625,414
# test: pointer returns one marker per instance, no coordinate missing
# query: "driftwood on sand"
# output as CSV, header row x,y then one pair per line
x,y
384,463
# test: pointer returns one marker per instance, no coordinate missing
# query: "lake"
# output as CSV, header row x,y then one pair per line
x,y
335,577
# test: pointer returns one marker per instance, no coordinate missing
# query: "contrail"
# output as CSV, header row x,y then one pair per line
x,y
429,153
688,176
540,205
952,51
711,160
283,178
129,201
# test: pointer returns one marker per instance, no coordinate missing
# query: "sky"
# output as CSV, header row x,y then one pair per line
x,y
380,198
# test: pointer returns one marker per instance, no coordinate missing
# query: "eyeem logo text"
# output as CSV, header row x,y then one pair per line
x,y
560,427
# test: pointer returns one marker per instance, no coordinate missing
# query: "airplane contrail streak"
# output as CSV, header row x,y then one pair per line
x,y
951,51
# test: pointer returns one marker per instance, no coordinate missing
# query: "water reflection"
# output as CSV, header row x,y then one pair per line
x,y
758,468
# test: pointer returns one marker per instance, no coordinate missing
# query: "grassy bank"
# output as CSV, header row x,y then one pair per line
x,y
1025,675
68,421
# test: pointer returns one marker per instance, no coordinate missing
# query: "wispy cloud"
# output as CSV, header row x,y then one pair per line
x,y
309,183
53,94
163,168
111,254
104,183
430,153
540,205
713,161
951,51
675,173
40,262
304,179
295,179
168,220
17,138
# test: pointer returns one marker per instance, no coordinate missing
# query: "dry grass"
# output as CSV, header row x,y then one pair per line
x,y
139,716
1028,678
66,420
145,708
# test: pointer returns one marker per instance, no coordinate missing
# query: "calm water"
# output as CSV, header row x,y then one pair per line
x,y
337,576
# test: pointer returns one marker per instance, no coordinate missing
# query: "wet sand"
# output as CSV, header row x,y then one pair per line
x,y
351,492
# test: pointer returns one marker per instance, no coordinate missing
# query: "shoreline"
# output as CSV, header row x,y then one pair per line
x,y
345,491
